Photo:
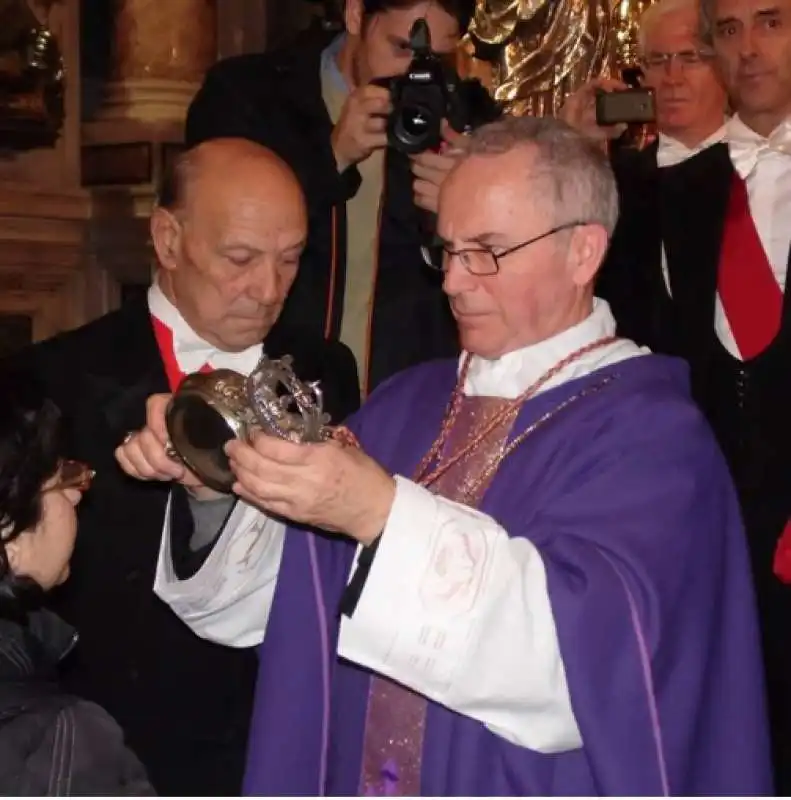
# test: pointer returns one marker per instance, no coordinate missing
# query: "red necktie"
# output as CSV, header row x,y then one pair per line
x,y
748,289
167,351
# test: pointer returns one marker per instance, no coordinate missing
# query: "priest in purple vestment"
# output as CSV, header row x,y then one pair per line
x,y
531,576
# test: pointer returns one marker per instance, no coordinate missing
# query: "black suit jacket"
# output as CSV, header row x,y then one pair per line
x,y
630,277
183,702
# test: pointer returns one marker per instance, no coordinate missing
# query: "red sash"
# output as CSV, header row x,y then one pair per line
x,y
753,302
164,337
782,560
748,289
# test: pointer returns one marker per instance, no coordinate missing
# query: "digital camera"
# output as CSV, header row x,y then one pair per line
x,y
634,105
630,106
430,91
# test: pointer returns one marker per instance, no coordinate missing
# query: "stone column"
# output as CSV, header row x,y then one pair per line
x,y
160,52
162,49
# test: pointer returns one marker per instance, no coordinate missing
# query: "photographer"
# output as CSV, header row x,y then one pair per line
x,y
362,277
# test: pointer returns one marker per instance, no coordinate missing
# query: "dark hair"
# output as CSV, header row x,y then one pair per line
x,y
462,10
30,454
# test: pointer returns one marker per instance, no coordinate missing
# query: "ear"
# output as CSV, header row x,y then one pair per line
x,y
587,250
353,17
166,237
13,550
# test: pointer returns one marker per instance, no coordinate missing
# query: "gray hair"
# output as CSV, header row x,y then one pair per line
x,y
573,170
657,11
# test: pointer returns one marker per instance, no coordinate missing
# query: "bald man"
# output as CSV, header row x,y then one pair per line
x,y
228,234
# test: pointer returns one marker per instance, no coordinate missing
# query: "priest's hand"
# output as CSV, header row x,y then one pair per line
x,y
328,485
144,455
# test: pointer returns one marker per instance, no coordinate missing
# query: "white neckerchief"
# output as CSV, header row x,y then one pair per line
x,y
507,377
747,147
670,151
191,351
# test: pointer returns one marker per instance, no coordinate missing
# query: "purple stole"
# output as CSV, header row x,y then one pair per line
x,y
396,717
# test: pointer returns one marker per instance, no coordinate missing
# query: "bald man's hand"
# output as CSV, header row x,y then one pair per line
x,y
144,454
362,126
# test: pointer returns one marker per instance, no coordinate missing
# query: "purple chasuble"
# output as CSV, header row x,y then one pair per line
x,y
628,500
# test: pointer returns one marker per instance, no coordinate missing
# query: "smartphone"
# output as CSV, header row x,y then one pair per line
x,y
629,106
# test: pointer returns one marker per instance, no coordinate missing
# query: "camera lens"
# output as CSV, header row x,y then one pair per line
x,y
416,128
414,121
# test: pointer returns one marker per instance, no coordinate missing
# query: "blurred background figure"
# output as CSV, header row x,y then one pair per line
x,y
690,98
691,113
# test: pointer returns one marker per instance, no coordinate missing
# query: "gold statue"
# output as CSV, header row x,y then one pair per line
x,y
542,50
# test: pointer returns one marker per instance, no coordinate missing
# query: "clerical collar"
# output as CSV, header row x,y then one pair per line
x,y
507,377
191,351
671,151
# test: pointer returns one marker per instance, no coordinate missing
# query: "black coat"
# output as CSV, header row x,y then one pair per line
x,y
631,277
275,100
52,743
183,702
747,403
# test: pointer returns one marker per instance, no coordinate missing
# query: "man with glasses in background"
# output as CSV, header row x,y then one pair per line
x,y
521,575
690,98
690,117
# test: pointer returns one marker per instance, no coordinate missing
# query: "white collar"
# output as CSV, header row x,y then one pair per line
x,y
191,351
508,376
738,130
671,151
748,148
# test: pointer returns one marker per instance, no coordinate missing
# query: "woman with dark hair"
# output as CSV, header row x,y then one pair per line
x,y
51,743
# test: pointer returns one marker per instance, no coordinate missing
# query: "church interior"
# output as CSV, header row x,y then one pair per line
x,y
644,531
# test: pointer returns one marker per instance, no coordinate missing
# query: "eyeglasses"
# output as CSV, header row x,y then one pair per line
x,y
73,475
482,260
686,58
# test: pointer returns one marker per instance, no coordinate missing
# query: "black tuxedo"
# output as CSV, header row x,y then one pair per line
x,y
183,702
747,403
626,280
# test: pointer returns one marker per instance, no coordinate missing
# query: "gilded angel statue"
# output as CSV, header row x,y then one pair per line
x,y
542,50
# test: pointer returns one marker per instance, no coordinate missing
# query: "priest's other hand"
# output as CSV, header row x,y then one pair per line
x,y
328,485
143,454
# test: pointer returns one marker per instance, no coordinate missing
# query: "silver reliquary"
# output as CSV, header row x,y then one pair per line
x,y
211,408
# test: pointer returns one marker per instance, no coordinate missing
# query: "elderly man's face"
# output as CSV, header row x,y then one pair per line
x,y
235,253
541,289
689,95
